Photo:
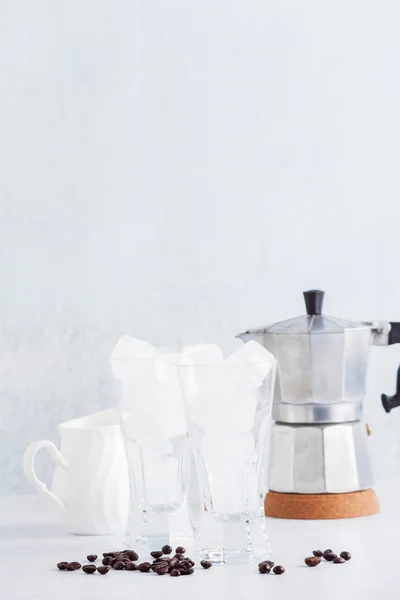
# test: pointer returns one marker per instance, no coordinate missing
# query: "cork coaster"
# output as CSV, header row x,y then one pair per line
x,y
321,506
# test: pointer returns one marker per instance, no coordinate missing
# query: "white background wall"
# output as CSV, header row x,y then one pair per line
x,y
181,170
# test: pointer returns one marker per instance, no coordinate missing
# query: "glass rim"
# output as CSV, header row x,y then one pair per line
x,y
224,364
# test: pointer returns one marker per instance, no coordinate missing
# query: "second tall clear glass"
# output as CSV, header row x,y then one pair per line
x,y
228,408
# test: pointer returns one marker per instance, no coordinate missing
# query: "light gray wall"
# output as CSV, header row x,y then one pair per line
x,y
180,171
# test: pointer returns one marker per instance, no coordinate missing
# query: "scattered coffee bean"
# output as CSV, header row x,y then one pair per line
x,y
180,556
144,567
270,563
187,571
131,554
76,565
70,567
312,561
339,559
110,554
187,564
162,570
130,566
345,555
103,570
329,556
118,565
205,564
166,549
107,560
175,573
263,568
180,550
92,557
89,569
278,570
328,550
156,554
62,566
318,553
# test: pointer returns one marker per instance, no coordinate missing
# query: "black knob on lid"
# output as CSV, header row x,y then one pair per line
x,y
314,300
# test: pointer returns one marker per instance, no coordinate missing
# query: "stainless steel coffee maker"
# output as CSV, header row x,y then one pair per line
x,y
320,465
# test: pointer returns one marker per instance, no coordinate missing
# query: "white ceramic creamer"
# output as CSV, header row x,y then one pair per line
x,y
90,489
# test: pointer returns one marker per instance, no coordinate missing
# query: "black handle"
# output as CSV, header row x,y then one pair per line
x,y
394,334
389,402
314,300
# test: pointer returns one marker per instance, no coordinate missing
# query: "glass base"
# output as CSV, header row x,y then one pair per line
x,y
240,542
149,530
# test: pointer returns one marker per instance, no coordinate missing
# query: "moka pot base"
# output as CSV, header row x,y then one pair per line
x,y
321,506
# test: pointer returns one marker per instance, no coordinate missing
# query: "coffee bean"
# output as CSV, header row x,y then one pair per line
x,y
92,557
76,565
166,549
162,570
111,554
89,569
130,566
159,565
180,556
180,550
328,550
187,564
70,567
187,571
131,554
270,563
329,556
175,573
119,565
103,570
107,560
263,568
318,553
278,570
312,561
345,555
144,567
206,564
339,559
62,566
156,554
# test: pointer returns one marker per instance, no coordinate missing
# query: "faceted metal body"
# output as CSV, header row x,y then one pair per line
x,y
321,361
320,459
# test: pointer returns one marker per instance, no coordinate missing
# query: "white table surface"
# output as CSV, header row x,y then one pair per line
x,y
31,544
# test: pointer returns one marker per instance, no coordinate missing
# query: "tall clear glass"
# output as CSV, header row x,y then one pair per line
x,y
228,409
154,430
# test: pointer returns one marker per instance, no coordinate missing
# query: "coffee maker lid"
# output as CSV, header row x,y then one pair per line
x,y
313,322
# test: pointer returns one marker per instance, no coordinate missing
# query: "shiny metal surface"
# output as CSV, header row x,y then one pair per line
x,y
319,459
317,413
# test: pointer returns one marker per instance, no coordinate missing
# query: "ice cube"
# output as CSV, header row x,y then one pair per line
x,y
168,405
228,493
146,432
129,347
131,357
202,354
162,479
227,466
253,363
229,454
